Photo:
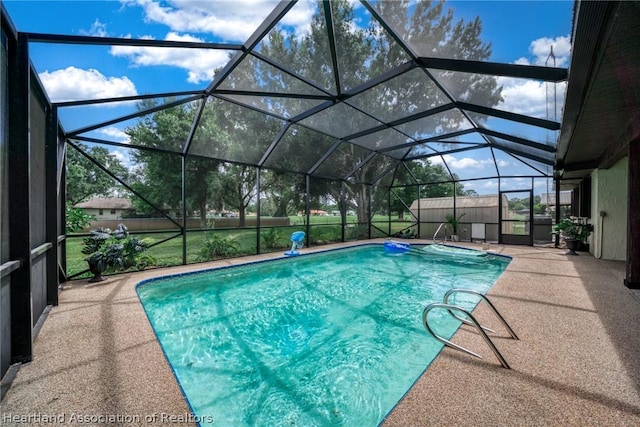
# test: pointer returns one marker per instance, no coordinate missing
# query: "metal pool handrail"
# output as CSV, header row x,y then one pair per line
x,y
437,231
485,299
474,322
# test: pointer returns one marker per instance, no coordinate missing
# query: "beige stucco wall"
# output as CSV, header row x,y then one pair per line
x,y
609,189
106,213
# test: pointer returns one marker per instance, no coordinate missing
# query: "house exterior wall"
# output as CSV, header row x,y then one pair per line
x,y
609,188
106,213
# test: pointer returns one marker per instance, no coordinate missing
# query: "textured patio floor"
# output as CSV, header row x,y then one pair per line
x,y
577,362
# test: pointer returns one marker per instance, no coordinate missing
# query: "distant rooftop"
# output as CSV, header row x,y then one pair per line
x,y
550,198
461,202
106,203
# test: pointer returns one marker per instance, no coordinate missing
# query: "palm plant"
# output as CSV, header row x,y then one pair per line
x,y
454,222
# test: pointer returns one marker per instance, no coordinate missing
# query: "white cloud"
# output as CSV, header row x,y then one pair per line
x,y
523,97
98,29
522,61
540,49
543,183
229,20
482,187
114,134
299,17
73,84
126,160
540,52
463,163
515,184
199,63
537,98
436,160
533,98
122,158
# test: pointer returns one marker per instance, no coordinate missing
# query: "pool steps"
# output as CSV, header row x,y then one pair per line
x,y
470,320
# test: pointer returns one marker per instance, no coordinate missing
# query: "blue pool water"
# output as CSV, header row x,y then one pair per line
x,y
327,339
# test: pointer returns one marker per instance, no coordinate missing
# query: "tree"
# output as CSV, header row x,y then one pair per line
x,y
241,136
159,175
239,182
365,53
85,180
538,207
407,187
284,191
517,204
76,219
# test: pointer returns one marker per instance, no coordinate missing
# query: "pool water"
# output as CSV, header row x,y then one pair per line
x,y
328,339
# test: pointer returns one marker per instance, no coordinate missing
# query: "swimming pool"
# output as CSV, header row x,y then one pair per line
x,y
333,338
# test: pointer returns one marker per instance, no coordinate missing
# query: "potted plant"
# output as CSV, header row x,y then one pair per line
x,y
115,250
574,231
585,231
454,223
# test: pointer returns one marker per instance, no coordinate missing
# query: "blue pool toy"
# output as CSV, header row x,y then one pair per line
x,y
297,238
393,247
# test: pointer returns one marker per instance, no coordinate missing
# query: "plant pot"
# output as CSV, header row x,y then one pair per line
x,y
96,269
572,245
582,247
455,238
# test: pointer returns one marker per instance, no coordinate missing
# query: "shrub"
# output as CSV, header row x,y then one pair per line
x,y
272,238
324,235
76,219
115,250
216,246
573,228
357,232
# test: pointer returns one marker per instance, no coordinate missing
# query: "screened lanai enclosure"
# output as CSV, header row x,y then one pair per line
x,y
359,120
336,128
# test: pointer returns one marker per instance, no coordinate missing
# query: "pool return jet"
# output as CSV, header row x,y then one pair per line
x,y
297,238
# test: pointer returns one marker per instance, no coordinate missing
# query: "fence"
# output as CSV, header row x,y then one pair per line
x,y
153,224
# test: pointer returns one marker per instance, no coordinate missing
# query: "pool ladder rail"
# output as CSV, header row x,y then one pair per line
x,y
436,233
470,320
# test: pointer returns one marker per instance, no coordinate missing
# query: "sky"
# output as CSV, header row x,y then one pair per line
x,y
520,32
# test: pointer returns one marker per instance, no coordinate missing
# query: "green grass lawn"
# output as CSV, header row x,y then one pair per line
x,y
324,229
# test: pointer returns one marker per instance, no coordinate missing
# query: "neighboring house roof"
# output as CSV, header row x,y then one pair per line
x,y
106,203
550,198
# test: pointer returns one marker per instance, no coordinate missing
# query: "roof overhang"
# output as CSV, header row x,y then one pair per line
x,y
602,109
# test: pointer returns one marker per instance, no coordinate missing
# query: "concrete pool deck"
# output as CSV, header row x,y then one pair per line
x,y
97,362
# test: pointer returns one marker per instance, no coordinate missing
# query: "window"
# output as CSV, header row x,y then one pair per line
x,y
585,200
113,211
100,212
